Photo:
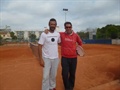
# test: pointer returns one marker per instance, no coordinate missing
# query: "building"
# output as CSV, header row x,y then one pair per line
x,y
5,33
25,34
92,35
22,34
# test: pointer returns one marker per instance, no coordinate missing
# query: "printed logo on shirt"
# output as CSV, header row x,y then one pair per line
x,y
52,39
68,39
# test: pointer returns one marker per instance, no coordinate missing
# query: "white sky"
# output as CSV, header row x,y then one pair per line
x,y
35,14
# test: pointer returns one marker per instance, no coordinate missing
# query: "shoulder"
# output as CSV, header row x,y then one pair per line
x,y
61,33
43,34
76,35
56,33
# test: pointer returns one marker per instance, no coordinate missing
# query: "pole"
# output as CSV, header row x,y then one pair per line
x,y
65,16
65,12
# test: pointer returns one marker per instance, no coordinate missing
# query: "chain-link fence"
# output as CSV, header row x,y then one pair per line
x,y
34,48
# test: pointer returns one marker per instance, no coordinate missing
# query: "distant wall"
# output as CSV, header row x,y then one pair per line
x,y
116,41
102,41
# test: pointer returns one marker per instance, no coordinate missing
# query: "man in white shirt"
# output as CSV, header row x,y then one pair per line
x,y
48,54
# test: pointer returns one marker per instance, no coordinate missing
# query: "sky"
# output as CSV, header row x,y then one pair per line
x,y
35,14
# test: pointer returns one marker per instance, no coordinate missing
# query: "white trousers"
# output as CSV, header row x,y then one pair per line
x,y
49,73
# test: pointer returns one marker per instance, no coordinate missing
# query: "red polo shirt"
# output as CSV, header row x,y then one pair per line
x,y
68,44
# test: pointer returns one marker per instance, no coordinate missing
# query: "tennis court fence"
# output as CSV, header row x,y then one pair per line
x,y
34,48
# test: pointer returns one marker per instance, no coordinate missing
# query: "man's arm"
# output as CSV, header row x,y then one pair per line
x,y
59,39
40,55
79,41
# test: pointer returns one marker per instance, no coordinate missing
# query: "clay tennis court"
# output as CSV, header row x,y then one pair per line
x,y
99,69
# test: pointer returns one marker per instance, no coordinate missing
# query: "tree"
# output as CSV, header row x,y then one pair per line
x,y
32,37
108,32
12,34
83,35
1,39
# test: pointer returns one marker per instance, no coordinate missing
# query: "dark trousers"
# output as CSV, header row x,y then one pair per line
x,y
68,72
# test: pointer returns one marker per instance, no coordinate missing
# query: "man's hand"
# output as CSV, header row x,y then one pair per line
x,y
46,31
42,62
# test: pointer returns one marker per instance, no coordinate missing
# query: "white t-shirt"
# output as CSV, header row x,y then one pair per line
x,y
49,44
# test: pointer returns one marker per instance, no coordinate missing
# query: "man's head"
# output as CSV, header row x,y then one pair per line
x,y
52,24
68,27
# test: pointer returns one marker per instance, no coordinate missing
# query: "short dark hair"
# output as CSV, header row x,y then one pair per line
x,y
67,23
52,19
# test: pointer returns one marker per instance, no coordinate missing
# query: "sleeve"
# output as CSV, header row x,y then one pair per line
x,y
59,39
79,41
42,39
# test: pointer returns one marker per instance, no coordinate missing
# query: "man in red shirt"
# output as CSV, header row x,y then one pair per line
x,y
69,39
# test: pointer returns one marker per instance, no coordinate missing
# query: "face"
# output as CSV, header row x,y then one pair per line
x,y
68,28
52,25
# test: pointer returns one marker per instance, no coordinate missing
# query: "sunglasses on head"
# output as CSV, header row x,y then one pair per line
x,y
68,27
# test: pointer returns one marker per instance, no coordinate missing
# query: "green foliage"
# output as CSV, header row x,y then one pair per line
x,y
1,40
0,37
108,32
12,34
83,35
14,37
32,37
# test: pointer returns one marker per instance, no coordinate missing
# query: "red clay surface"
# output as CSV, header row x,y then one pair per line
x,y
20,70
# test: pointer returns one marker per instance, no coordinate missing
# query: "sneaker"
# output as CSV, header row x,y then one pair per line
x,y
54,89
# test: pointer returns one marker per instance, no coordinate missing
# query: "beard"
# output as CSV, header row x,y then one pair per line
x,y
52,28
